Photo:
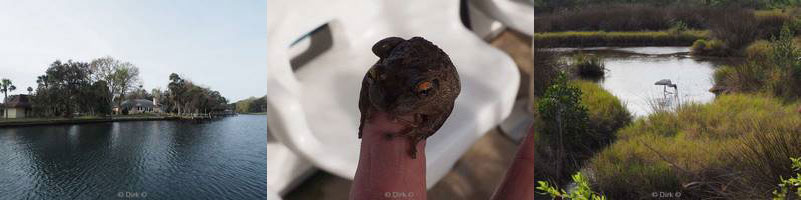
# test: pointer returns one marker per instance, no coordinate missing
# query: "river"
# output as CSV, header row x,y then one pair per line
x,y
220,159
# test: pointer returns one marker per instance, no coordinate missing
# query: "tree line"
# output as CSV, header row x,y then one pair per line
x,y
93,88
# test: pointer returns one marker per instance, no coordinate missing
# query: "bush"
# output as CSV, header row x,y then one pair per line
x,y
605,114
774,69
581,192
735,27
564,115
788,185
733,148
588,66
715,47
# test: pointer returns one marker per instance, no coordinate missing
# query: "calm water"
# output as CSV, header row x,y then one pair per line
x,y
632,72
222,159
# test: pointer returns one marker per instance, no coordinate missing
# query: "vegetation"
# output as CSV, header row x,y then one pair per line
x,y
6,86
546,67
252,105
594,39
607,114
623,17
588,66
772,68
733,26
185,97
565,118
582,191
713,47
120,77
91,89
734,148
576,119
555,5
67,88
787,185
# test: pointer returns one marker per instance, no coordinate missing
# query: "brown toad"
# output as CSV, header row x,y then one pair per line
x,y
415,82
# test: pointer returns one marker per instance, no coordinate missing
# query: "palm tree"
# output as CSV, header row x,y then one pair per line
x,y
30,90
5,87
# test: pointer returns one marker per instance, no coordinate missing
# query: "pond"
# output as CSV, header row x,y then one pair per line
x,y
220,159
632,72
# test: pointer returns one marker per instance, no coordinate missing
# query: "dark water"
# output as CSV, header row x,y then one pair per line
x,y
222,159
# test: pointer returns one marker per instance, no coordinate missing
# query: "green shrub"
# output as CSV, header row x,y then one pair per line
x,y
588,66
787,185
605,115
581,192
733,148
564,115
713,47
774,69
678,27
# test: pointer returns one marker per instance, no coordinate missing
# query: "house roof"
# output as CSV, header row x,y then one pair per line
x,y
18,101
144,103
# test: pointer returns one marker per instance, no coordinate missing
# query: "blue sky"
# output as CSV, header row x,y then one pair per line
x,y
218,44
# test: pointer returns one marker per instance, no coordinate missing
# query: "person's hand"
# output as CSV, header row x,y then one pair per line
x,y
385,170
519,180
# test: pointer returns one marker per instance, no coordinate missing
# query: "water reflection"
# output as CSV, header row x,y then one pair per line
x,y
632,72
224,159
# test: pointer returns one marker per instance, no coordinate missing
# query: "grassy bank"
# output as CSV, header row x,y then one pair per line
x,y
605,115
80,120
736,147
620,39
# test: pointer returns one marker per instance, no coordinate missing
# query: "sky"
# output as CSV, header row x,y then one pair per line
x,y
217,44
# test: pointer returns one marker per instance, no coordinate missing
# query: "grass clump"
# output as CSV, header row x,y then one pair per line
x,y
588,66
710,48
735,148
606,112
600,38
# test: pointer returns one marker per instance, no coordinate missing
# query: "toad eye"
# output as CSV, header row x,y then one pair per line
x,y
425,88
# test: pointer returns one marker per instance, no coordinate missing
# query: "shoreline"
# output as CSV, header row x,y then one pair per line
x,y
74,121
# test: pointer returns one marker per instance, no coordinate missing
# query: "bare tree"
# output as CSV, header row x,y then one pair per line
x,y
120,76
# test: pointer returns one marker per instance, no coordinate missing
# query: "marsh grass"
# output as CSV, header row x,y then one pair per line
x,y
735,147
773,68
588,66
599,38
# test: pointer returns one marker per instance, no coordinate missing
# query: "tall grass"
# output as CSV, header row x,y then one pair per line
x,y
595,39
588,66
734,148
772,68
